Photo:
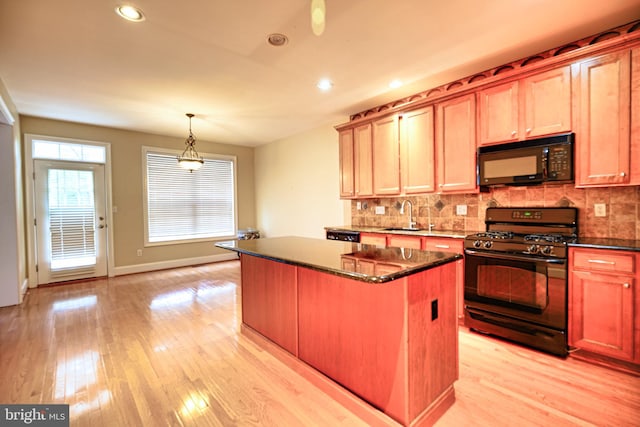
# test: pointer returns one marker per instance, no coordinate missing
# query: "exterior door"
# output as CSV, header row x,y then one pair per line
x,y
70,220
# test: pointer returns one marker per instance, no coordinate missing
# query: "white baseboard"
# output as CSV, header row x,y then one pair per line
x,y
163,265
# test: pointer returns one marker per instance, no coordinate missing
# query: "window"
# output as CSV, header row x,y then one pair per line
x,y
182,206
56,150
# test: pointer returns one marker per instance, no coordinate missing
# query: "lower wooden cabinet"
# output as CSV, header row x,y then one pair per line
x,y
604,306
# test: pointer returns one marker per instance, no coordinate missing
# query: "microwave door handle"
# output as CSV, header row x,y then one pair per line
x,y
511,257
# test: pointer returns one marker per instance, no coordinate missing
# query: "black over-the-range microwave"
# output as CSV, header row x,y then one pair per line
x,y
530,162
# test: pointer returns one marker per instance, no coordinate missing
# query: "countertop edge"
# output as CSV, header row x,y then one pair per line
x,y
351,275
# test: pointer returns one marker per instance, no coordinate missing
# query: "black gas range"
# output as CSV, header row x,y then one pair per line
x,y
516,275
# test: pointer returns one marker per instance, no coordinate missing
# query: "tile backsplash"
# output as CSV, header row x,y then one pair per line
x,y
621,220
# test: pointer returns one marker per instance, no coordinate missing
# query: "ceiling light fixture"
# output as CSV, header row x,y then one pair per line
x,y
277,39
395,84
190,159
130,13
318,13
324,85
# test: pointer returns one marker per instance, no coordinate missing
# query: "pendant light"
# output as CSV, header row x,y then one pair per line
x,y
190,159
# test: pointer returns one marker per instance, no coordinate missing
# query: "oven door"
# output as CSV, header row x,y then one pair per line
x,y
520,287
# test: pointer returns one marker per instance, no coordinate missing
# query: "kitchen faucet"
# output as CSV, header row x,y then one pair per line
x,y
412,223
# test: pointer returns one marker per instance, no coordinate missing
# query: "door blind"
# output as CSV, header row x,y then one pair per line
x,y
183,205
71,218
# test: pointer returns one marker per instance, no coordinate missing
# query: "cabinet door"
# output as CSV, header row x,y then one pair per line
x,y
417,155
386,156
400,241
498,113
345,140
603,99
456,144
547,103
373,239
601,314
269,300
363,161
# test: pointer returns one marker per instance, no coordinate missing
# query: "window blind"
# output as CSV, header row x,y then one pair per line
x,y
183,205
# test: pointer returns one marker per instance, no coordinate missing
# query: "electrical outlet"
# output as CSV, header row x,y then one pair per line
x,y
379,210
139,252
358,205
461,209
600,209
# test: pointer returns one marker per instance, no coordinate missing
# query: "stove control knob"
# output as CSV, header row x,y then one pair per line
x,y
546,250
533,249
488,244
477,243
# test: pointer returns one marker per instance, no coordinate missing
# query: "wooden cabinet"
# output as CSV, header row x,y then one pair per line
x,y
363,160
373,239
445,244
530,107
345,141
386,156
603,303
456,145
498,113
603,99
269,300
403,241
417,152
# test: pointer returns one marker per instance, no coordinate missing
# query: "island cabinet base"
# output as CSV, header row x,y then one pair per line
x,y
393,345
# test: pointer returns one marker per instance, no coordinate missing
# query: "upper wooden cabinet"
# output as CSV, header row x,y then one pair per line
x,y
345,141
456,144
603,98
363,160
417,156
530,107
386,156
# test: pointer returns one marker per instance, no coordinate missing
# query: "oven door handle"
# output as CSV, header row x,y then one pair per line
x,y
514,257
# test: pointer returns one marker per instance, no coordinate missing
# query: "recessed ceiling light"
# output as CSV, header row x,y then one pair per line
x,y
324,85
130,13
395,84
277,39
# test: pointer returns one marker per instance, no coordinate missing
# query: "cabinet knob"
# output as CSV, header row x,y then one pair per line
x,y
622,174
626,285
528,130
514,133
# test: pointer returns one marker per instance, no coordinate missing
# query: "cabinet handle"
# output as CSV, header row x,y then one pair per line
x,y
626,285
442,246
599,261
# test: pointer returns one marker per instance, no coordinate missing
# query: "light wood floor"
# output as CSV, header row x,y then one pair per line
x,y
164,348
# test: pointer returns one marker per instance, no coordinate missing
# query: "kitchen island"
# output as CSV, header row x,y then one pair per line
x,y
378,322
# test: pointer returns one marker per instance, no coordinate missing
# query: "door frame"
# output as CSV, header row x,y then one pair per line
x,y
30,201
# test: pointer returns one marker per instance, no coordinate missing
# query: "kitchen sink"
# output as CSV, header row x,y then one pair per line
x,y
403,229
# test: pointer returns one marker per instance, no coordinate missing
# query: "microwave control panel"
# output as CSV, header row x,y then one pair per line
x,y
560,160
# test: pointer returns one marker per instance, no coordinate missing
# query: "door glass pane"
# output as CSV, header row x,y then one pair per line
x,y
72,218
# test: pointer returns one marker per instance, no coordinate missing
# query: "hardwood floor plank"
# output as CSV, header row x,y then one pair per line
x,y
164,348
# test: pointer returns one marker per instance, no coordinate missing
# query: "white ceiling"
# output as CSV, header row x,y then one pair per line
x,y
77,60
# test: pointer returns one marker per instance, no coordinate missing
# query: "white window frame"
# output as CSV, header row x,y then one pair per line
x,y
145,194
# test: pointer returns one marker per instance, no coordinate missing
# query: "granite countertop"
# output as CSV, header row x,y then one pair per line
x,y
423,232
606,243
586,242
342,258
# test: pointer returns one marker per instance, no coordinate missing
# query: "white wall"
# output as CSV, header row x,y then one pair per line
x,y
12,250
297,191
